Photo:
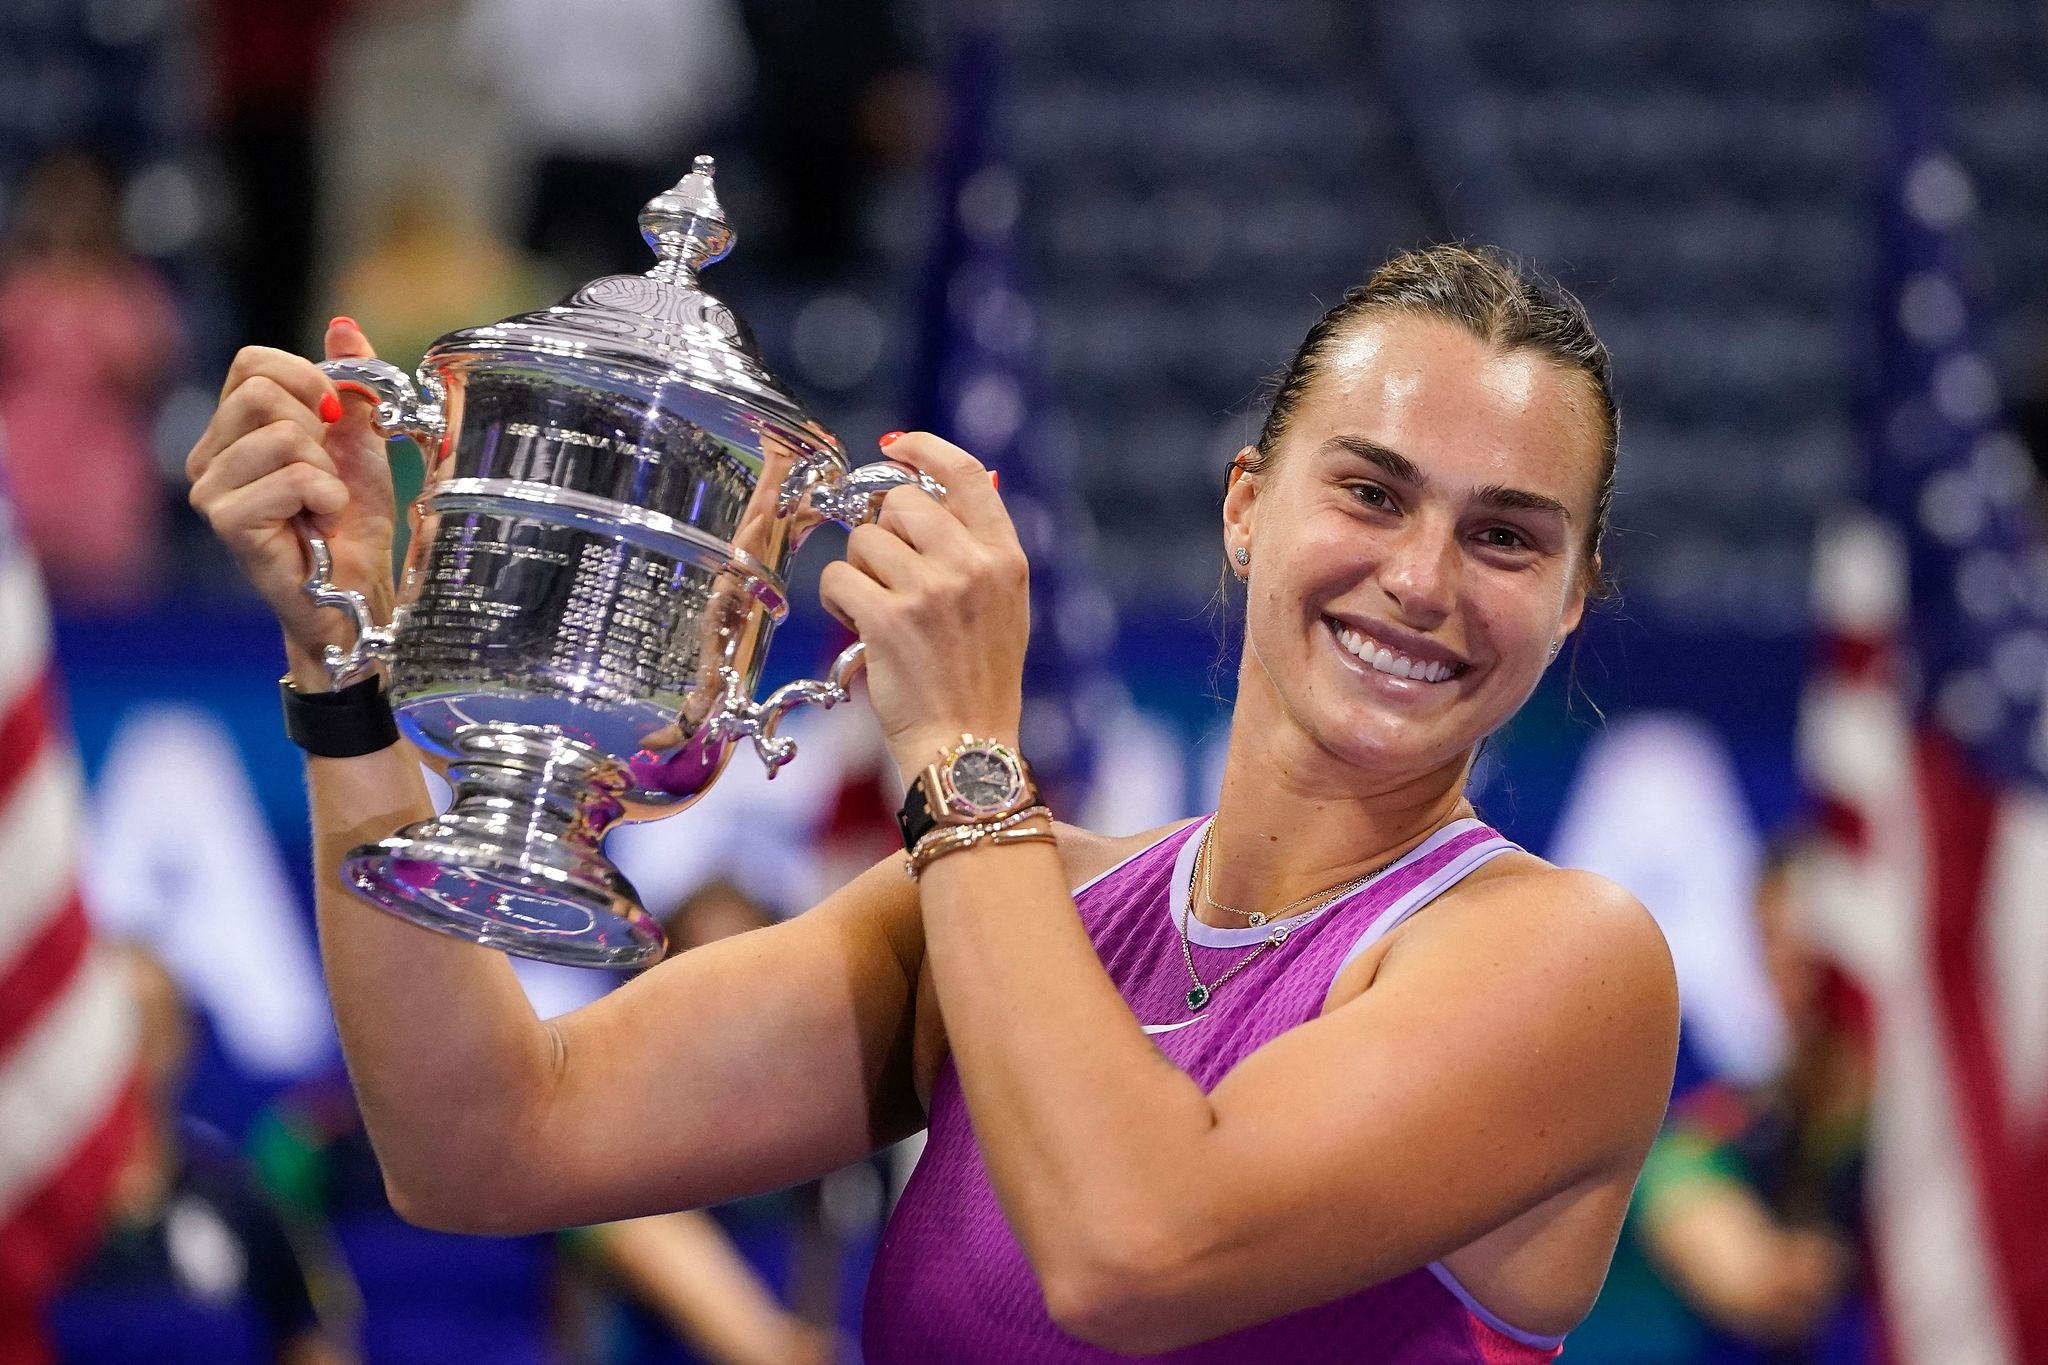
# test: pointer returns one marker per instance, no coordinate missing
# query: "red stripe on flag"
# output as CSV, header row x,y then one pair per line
x,y
1843,823
1961,816
1856,658
24,728
41,969
47,1237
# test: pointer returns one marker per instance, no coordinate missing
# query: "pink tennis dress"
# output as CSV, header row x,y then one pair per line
x,y
950,1282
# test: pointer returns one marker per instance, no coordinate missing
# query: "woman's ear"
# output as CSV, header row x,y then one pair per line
x,y
1240,493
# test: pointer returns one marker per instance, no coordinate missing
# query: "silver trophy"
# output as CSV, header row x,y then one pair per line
x,y
615,486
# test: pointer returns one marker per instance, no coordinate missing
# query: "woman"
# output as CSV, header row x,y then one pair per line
x,y
1405,1144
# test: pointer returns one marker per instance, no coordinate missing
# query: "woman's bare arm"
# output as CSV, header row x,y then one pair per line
x,y
740,1066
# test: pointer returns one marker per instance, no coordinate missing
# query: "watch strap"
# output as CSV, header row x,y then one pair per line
x,y
915,816
345,723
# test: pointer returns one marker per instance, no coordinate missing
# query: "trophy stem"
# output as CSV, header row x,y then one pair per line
x,y
516,862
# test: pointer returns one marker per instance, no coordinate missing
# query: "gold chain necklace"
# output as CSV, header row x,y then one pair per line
x,y
1257,917
1205,991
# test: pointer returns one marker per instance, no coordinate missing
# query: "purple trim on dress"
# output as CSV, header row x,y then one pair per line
x,y
1480,1311
1439,882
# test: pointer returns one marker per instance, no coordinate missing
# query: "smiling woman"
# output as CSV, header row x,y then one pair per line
x,y
1335,1073
1384,1136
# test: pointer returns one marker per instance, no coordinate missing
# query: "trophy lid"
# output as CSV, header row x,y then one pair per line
x,y
657,331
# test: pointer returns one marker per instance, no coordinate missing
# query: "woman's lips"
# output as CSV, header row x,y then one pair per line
x,y
1381,658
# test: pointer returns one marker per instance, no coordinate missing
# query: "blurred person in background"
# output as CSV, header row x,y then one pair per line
x,y
1409,1133
703,1283
426,1297
1747,1239
195,1265
88,341
269,61
430,264
840,98
606,98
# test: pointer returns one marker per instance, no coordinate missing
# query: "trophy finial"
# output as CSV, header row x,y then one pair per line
x,y
686,224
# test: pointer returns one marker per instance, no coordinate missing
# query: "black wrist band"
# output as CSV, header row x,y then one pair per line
x,y
915,819
345,723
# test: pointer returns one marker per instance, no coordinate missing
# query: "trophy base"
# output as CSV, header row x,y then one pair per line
x,y
516,864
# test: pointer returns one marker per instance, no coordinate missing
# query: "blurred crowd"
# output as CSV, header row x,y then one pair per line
x,y
288,1249
420,167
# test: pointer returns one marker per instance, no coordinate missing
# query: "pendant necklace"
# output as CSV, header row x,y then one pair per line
x,y
1204,991
1255,918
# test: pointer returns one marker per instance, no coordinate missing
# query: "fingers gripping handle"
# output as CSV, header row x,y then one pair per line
x,y
400,412
855,498
852,500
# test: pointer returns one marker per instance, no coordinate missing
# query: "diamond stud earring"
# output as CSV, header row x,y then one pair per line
x,y
1242,556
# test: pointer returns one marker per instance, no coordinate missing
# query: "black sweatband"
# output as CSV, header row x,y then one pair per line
x,y
345,723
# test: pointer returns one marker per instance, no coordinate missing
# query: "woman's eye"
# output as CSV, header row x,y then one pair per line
x,y
1371,494
1503,538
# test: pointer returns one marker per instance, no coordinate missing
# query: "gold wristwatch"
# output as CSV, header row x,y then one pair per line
x,y
974,782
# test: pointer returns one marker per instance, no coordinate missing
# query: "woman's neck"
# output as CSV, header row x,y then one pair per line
x,y
1293,820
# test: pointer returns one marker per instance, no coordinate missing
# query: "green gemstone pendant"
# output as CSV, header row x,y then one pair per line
x,y
1198,997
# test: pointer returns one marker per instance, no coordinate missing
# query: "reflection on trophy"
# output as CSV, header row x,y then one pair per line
x,y
615,486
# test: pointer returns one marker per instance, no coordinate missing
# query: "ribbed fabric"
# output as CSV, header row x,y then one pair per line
x,y
951,1284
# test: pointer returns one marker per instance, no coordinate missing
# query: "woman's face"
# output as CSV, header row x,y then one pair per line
x,y
1416,546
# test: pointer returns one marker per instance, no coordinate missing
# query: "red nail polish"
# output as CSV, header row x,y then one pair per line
x,y
993,480
330,408
887,437
344,322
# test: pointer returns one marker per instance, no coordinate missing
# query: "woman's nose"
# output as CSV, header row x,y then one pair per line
x,y
1420,573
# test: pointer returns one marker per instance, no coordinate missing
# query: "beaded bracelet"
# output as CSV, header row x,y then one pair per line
x,y
952,838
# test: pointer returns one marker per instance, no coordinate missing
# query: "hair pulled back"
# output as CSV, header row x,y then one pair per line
x,y
1489,295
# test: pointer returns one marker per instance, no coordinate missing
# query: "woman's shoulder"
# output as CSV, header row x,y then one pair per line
x,y
1586,929
1087,854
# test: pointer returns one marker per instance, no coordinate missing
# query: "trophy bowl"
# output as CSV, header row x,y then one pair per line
x,y
615,486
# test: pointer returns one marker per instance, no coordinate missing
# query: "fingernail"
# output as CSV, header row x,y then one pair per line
x,y
992,480
887,437
330,408
344,322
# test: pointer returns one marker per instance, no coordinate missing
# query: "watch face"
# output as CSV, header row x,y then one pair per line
x,y
983,781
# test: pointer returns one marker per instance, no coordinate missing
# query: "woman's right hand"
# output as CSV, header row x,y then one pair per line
x,y
271,455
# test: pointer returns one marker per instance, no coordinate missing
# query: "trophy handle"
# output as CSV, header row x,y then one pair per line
x,y
851,499
400,413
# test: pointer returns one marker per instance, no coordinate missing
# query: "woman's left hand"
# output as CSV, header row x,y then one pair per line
x,y
939,592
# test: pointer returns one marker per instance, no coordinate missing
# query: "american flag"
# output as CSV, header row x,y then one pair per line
x,y
69,1098
1926,738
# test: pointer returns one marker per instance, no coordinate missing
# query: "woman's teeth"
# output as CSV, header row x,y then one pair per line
x,y
1384,660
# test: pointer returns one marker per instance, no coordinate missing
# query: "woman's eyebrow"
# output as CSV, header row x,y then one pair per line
x,y
1392,462
1398,466
1521,500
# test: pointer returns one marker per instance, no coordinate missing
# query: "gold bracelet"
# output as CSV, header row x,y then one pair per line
x,y
978,828
924,857
946,838
1011,829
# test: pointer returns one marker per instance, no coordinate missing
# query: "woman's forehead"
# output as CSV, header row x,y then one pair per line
x,y
1445,398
